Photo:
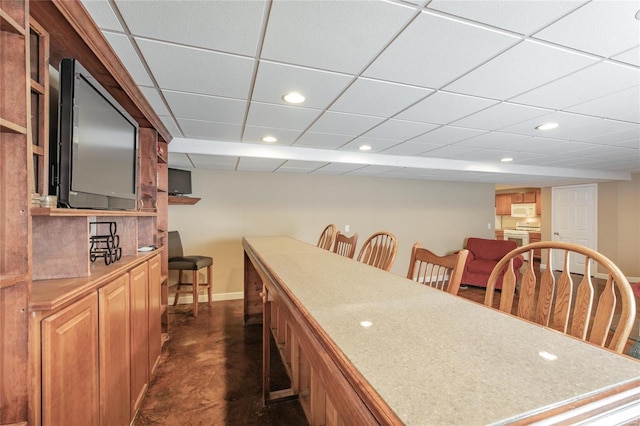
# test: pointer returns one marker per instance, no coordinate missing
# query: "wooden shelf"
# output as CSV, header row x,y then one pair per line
x,y
173,200
7,23
43,211
7,126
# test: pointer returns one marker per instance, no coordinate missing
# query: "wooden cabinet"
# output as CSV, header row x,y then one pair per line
x,y
517,198
70,380
529,197
114,352
503,204
535,237
499,235
155,311
139,320
45,271
539,203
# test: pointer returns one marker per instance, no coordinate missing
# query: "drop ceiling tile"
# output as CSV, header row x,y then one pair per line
x,y
500,116
254,164
594,128
631,56
171,125
103,15
196,70
546,146
378,98
623,105
180,160
446,135
298,166
409,148
320,88
621,137
337,168
376,145
253,134
444,108
125,51
491,140
206,108
523,17
322,34
210,130
521,68
421,46
155,100
280,116
449,151
567,123
322,140
228,26
400,130
217,162
602,27
601,79
344,124
372,170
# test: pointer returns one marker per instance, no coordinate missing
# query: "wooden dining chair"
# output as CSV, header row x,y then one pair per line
x,y
345,246
379,250
326,237
440,272
585,311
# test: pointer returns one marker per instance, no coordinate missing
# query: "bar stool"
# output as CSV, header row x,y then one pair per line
x,y
179,262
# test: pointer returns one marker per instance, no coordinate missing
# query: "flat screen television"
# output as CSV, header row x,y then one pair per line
x,y
179,182
93,158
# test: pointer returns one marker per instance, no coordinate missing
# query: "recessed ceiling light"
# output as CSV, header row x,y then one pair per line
x,y
547,126
269,139
293,98
506,159
364,148
638,15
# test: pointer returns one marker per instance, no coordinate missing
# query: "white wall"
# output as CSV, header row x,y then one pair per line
x,y
441,215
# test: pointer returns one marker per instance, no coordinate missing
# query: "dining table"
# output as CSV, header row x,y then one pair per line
x,y
365,346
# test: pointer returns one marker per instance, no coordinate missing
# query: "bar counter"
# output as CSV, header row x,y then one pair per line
x,y
414,355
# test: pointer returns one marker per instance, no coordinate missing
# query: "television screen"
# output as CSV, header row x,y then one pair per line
x,y
179,182
94,156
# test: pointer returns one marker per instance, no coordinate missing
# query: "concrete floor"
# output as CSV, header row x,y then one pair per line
x,y
211,373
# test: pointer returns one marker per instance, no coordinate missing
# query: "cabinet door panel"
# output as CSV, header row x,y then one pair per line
x,y
155,335
139,320
114,353
70,392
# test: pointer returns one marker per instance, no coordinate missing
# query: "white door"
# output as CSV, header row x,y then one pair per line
x,y
574,220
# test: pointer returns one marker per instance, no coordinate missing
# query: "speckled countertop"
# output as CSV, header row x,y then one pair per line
x,y
436,358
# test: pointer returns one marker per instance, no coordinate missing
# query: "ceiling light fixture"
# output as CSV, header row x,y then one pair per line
x,y
269,139
506,159
638,15
364,148
293,98
547,126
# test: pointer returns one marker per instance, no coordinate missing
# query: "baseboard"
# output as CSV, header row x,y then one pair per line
x,y
187,299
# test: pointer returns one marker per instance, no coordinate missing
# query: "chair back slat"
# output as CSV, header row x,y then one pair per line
x,y
440,272
527,293
559,303
604,314
379,250
508,288
344,245
326,237
564,293
584,302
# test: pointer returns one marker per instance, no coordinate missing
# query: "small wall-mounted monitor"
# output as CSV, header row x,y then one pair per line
x,y
179,182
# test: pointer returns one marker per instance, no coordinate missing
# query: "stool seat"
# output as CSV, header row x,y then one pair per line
x,y
192,263
179,262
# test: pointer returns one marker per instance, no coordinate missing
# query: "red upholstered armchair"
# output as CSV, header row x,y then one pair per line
x,y
483,256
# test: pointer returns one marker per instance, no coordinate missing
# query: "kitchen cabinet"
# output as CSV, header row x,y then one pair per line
x,y
535,237
539,203
499,235
503,204
529,197
517,198
70,380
